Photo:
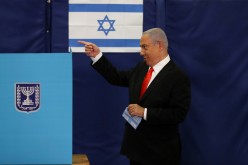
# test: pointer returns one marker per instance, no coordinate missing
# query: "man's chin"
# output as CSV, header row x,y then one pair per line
x,y
147,63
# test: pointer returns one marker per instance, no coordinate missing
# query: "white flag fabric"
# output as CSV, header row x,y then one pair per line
x,y
113,25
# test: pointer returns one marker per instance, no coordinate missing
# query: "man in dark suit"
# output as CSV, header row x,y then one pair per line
x,y
162,107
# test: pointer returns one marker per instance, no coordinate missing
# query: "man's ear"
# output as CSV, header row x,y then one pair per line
x,y
160,45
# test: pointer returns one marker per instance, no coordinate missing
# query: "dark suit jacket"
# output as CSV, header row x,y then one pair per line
x,y
156,141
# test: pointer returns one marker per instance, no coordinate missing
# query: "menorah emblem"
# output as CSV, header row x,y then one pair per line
x,y
27,97
27,91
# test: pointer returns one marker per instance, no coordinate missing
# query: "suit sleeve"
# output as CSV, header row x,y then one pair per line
x,y
111,74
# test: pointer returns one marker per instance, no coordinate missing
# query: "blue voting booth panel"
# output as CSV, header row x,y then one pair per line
x,y
36,108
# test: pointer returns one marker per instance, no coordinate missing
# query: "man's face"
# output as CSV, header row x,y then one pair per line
x,y
149,50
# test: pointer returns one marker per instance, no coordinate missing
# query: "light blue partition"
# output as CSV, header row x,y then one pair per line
x,y
36,108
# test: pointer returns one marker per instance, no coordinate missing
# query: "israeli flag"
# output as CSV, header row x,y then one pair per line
x,y
113,25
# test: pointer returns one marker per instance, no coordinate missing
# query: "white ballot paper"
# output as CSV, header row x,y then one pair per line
x,y
134,121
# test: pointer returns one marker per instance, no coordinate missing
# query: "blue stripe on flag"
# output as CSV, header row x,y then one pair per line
x,y
105,8
107,42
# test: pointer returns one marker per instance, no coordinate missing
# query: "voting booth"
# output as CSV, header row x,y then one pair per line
x,y
36,108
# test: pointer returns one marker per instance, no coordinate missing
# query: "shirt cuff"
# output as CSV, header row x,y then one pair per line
x,y
96,58
145,114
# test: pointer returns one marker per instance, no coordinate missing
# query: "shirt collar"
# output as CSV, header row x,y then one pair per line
x,y
159,66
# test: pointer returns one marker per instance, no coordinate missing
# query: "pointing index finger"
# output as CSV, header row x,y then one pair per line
x,y
84,42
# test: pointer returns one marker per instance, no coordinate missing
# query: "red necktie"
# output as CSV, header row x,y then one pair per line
x,y
146,81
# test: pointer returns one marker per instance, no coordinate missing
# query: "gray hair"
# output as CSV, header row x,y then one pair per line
x,y
157,34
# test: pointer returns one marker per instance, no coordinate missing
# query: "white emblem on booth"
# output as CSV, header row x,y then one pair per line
x,y
27,97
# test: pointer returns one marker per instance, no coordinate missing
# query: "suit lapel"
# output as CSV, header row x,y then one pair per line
x,y
157,79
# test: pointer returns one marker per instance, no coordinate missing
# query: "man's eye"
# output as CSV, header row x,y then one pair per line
x,y
144,47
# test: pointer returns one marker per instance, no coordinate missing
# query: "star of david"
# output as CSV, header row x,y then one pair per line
x,y
106,25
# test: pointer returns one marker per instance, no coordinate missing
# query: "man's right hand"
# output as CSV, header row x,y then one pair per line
x,y
91,49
